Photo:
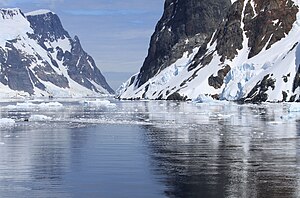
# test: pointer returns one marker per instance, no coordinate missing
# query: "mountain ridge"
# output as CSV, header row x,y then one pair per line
x,y
38,57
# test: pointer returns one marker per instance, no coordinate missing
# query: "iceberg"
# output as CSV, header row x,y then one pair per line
x,y
294,107
99,103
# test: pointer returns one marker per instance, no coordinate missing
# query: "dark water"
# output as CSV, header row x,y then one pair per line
x,y
150,149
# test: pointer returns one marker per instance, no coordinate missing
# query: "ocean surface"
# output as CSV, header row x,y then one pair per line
x,y
109,149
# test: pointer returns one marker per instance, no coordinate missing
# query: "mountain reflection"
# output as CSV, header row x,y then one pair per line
x,y
50,158
243,156
152,149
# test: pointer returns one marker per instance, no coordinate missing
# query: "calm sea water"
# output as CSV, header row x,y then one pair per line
x,y
149,149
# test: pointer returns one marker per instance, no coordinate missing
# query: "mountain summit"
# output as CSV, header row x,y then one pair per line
x,y
241,50
38,57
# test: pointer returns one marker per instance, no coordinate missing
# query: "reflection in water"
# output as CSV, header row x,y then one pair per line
x,y
235,157
33,162
151,149
50,158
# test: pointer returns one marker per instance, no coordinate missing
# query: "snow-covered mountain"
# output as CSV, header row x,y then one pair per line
x,y
38,57
246,50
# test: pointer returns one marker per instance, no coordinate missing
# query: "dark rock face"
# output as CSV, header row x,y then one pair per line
x,y
16,70
24,68
296,82
176,97
264,25
274,19
82,68
217,81
230,35
47,27
185,24
258,93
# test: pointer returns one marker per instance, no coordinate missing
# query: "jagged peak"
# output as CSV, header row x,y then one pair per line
x,y
38,57
47,25
39,12
9,13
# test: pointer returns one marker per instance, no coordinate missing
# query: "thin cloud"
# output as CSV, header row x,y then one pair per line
x,y
134,34
5,2
102,12
34,3
53,3
21,3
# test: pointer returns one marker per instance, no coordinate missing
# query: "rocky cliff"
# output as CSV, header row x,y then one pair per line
x,y
182,27
249,52
38,57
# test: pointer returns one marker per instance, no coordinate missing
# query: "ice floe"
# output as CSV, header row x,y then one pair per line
x,y
7,123
98,103
39,118
30,105
294,107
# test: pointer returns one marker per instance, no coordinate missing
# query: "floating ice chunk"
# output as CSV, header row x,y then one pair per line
x,y
203,99
288,117
224,116
52,105
7,123
29,105
39,118
99,103
294,107
24,105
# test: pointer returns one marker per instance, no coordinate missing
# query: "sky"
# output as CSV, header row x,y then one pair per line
x,y
116,33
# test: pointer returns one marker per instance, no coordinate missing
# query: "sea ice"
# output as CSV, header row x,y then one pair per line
x,y
6,123
52,105
30,105
39,118
203,99
99,103
24,105
294,107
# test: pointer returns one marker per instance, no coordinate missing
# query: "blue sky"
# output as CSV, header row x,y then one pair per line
x,y
115,32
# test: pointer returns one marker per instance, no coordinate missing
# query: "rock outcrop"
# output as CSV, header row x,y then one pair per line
x,y
182,27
